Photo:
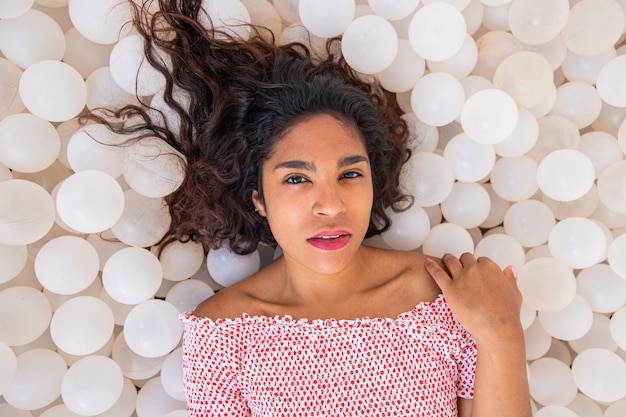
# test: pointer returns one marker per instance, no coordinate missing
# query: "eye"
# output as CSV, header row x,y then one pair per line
x,y
351,174
295,179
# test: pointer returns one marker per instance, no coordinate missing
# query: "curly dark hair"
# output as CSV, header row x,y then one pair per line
x,y
243,96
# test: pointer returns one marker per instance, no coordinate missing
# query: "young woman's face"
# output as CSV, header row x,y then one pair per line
x,y
318,194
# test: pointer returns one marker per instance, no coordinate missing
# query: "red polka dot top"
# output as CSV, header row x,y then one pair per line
x,y
414,365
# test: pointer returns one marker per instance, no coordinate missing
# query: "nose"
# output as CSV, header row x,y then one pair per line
x,y
329,200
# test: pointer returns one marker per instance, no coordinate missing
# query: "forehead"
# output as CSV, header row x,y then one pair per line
x,y
319,135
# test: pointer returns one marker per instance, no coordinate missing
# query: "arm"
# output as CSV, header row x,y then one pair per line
x,y
487,303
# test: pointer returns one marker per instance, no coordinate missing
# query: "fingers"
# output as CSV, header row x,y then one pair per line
x,y
440,276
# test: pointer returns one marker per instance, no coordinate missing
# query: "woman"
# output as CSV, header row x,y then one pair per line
x,y
288,150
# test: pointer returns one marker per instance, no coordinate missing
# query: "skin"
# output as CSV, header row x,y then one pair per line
x,y
321,172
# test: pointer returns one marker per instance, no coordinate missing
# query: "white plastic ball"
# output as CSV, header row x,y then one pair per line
x,y
326,18
570,323
8,364
104,92
602,288
31,37
172,375
498,208
100,22
554,51
514,179
13,259
546,284
152,328
536,21
448,238
83,55
82,325
467,205
408,229
90,201
437,31
602,150
504,250
577,242
405,70
227,267
523,137
132,275
593,26
26,212
25,314
599,374
92,385
537,341
393,10
10,102
188,294
153,400
164,114
134,366
565,174
265,14
130,69
616,409
489,116
496,18
152,167
586,68
551,382
369,44
493,47
437,99
53,90
585,406
66,265
28,143
37,382
181,260
428,177
526,76
578,101
616,258
555,411
13,9
144,220
555,133
95,147
460,64
230,16
422,137
617,327
610,82
471,161
599,336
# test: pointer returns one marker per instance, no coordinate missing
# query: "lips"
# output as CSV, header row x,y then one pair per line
x,y
330,240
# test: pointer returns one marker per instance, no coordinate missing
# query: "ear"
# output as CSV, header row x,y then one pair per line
x,y
258,204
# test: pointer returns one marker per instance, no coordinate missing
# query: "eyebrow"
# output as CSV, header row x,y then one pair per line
x,y
309,166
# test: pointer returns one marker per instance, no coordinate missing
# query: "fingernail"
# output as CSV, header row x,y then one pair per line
x,y
428,261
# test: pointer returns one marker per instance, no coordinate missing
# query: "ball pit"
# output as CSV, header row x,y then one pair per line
x,y
517,113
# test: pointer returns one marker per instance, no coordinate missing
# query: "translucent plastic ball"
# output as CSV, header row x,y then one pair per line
x,y
82,325
153,400
152,167
593,26
467,205
90,201
265,14
28,143
181,260
601,148
37,382
130,69
586,68
428,177
437,99
53,90
104,92
538,341
448,238
326,18
165,115
288,10
125,405
498,208
229,16
408,229
555,133
599,374
577,242
555,411
471,161
522,139
551,382
393,10
616,409
13,259
227,267
10,102
100,22
132,275
92,385
546,284
133,365
565,175
493,47
616,258
437,31
489,116
526,76
460,64
27,212
152,328
24,315
598,337
579,102
31,37
617,327
188,294
422,137
504,250
144,221
405,70
602,288
8,363
11,10
172,375
94,147
298,33
369,44
514,179
84,55
570,323
66,265
611,80
496,18
535,21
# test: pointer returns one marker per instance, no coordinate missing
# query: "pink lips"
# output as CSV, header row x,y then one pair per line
x,y
330,240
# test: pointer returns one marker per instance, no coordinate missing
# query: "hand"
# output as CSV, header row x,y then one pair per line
x,y
484,299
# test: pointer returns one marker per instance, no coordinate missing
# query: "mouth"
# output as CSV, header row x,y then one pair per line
x,y
330,240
